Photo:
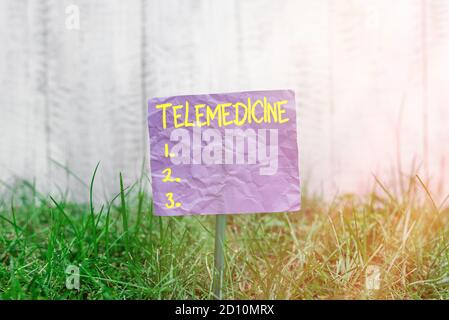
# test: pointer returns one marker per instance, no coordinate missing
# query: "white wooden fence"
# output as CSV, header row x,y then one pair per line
x,y
371,79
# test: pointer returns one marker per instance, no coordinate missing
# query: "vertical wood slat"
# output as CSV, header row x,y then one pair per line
x,y
95,95
438,100
378,92
23,123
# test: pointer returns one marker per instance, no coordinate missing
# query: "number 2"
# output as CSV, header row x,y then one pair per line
x,y
168,177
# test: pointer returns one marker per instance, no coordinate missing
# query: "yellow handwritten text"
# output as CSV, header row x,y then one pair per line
x,y
224,114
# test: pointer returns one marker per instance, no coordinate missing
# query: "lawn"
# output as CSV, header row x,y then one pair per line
x,y
328,250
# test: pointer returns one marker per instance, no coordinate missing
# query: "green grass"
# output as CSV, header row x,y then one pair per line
x,y
322,252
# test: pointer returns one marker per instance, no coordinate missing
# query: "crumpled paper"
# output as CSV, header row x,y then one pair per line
x,y
221,188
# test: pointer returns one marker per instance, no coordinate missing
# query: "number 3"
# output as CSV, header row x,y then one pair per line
x,y
171,202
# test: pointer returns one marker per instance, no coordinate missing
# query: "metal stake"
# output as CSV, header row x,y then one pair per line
x,y
220,227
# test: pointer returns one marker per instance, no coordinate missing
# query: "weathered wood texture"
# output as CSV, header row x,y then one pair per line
x,y
370,77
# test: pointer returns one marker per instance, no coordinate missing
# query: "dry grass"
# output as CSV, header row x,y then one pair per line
x,y
328,250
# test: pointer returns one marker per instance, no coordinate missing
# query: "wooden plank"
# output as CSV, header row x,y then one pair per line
x,y
23,147
95,98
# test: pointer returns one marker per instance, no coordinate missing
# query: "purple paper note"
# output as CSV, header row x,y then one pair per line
x,y
224,153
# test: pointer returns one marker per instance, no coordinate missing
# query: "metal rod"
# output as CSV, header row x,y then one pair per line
x,y
220,228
